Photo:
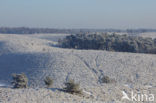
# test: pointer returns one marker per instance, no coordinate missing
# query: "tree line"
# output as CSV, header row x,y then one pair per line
x,y
110,42
26,30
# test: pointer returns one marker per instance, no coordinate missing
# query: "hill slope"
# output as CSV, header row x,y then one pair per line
x,y
38,58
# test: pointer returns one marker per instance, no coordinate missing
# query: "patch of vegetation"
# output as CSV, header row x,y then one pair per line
x,y
20,80
48,81
110,42
106,79
72,87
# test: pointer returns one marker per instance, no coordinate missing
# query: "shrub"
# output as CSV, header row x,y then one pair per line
x,y
72,87
106,79
48,81
20,80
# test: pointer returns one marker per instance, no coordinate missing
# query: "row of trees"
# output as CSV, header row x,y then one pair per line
x,y
110,42
25,30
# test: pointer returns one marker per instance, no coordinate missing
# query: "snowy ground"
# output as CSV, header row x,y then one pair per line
x,y
38,57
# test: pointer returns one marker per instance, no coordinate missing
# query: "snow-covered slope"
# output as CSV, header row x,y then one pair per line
x,y
39,57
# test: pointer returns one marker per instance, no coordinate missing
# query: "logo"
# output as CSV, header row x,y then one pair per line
x,y
137,97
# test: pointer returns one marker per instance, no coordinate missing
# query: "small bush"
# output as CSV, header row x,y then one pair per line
x,y
106,79
48,81
20,80
72,87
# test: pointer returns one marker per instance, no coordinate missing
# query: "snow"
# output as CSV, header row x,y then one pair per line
x,y
38,56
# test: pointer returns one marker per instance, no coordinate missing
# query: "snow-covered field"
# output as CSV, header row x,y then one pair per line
x,y
38,56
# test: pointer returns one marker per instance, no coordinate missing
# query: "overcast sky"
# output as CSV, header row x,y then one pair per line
x,y
118,14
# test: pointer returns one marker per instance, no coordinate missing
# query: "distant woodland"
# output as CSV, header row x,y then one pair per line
x,y
110,42
26,30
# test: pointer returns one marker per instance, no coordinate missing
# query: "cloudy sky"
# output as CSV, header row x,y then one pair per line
x,y
118,14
